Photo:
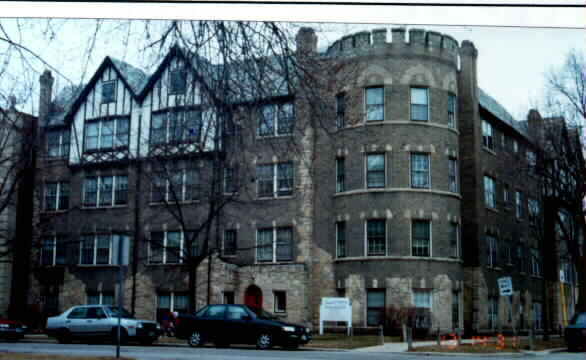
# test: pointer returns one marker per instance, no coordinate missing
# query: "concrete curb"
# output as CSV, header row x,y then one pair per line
x,y
421,353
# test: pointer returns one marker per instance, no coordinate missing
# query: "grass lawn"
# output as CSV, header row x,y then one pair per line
x,y
491,347
342,341
24,356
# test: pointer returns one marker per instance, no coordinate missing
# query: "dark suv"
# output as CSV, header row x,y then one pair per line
x,y
238,324
576,332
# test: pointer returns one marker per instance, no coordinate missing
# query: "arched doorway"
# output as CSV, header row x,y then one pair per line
x,y
253,298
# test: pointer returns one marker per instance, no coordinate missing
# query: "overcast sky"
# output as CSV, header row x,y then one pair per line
x,y
511,63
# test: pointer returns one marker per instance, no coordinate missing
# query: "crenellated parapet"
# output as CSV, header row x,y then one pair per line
x,y
420,42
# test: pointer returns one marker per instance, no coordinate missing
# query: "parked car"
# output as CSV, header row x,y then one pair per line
x,y
11,330
238,324
575,333
101,321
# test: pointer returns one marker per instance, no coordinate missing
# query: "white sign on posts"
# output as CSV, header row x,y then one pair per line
x,y
335,309
505,286
562,276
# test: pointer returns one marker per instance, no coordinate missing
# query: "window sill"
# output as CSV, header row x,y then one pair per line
x,y
229,256
165,264
287,262
397,257
522,273
104,207
287,197
54,212
55,159
268,137
90,266
391,190
536,276
488,150
494,210
172,203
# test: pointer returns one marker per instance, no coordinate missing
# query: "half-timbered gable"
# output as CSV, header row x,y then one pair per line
x,y
105,114
178,118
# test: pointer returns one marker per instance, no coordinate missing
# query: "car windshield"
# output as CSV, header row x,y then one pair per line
x,y
113,312
579,319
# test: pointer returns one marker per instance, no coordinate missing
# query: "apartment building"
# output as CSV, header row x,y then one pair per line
x,y
401,190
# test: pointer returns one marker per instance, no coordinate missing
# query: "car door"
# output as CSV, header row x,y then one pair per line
x,y
240,327
96,321
76,321
212,323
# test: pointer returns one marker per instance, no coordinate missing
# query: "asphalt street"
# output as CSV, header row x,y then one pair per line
x,y
184,352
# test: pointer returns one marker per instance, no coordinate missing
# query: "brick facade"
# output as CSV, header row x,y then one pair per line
x,y
430,63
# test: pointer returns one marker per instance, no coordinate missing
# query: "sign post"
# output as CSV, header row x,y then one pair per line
x,y
335,309
122,244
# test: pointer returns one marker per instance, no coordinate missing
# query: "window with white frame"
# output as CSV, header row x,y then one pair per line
x,y
170,302
454,233
176,126
100,249
274,180
230,242
375,307
107,134
105,190
493,306
177,81
280,301
535,263
56,196
53,250
375,103
58,142
492,250
169,247
419,104
376,237
422,298
531,160
421,238
276,120
420,171
515,146
274,244
108,91
341,239
506,194
489,192
231,180
99,298
176,182
453,175
341,110
566,272
487,135
452,112
518,204
340,175
375,170
537,324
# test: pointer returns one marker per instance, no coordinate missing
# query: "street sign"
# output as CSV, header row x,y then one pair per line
x,y
505,286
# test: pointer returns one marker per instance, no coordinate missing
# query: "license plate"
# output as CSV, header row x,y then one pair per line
x,y
303,337
151,333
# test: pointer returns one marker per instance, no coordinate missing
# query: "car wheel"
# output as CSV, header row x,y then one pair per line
x,y
195,339
64,336
123,336
264,341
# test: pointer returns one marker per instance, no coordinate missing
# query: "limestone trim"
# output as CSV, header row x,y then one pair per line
x,y
394,190
395,257
398,122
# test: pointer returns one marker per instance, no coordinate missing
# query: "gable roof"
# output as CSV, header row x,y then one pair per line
x,y
497,110
132,77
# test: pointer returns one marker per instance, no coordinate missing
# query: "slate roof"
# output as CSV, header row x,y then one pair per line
x,y
62,104
496,109
135,77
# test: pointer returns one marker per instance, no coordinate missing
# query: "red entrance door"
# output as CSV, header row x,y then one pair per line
x,y
253,298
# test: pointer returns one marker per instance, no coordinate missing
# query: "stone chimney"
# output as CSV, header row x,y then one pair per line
x,y
535,126
45,96
306,41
